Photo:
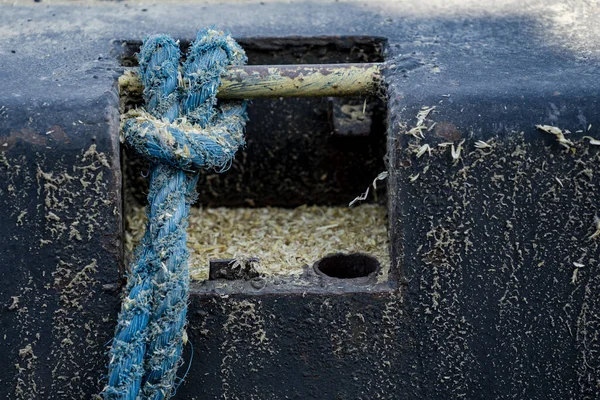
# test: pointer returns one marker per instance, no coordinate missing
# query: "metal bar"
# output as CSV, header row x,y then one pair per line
x,y
264,81
272,81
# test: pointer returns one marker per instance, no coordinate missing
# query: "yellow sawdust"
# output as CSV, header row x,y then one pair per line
x,y
283,239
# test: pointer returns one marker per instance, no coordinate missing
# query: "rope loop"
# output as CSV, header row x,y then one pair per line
x,y
182,129
183,126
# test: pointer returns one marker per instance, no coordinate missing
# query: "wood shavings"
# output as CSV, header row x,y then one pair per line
x,y
362,197
417,131
456,151
574,276
559,182
423,114
576,272
558,133
283,239
383,175
15,303
597,226
420,151
485,148
593,142
480,144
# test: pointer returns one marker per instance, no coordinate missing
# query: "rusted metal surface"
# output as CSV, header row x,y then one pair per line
x,y
300,81
273,81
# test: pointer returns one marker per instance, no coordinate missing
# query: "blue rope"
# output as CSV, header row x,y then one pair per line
x,y
182,130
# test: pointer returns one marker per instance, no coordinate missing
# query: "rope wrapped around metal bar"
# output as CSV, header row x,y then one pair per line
x,y
182,130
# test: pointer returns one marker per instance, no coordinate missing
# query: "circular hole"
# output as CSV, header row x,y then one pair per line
x,y
347,266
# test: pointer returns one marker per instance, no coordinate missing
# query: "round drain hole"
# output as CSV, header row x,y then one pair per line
x,y
347,266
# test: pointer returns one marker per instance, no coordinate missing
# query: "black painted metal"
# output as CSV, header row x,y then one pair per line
x,y
495,280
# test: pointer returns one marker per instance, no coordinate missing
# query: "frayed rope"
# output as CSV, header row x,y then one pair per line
x,y
182,130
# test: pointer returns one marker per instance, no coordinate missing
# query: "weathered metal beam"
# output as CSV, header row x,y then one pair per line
x,y
269,81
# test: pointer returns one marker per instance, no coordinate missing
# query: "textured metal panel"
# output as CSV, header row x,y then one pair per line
x,y
497,275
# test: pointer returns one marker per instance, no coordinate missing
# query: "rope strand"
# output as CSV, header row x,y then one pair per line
x,y
181,131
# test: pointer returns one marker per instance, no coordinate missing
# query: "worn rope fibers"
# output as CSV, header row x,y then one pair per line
x,y
182,130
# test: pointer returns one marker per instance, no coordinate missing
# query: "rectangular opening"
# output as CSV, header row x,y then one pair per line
x,y
286,50
283,205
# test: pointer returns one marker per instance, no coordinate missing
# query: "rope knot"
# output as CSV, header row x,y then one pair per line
x,y
182,130
183,126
